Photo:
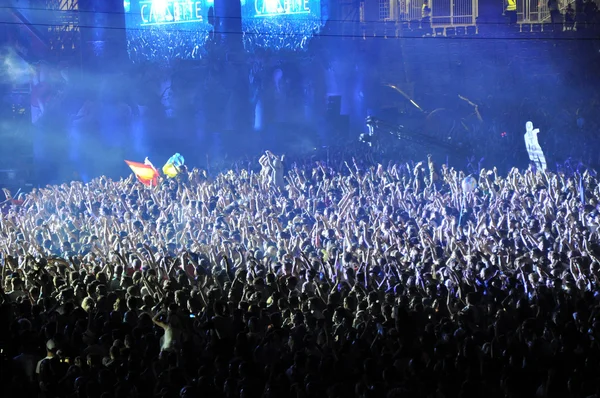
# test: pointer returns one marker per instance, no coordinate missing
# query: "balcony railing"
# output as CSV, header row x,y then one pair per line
x,y
443,13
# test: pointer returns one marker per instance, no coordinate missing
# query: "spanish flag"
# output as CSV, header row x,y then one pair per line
x,y
144,172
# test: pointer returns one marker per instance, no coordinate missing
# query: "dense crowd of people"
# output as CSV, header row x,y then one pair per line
x,y
377,280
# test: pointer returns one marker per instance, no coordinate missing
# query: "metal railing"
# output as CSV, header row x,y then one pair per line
x,y
535,11
384,10
443,12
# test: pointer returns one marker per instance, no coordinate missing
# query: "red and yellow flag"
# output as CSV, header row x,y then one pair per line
x,y
144,172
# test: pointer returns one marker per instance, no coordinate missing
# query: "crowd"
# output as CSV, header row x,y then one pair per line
x,y
365,281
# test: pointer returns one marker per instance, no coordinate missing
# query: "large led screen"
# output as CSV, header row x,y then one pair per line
x,y
167,29
280,24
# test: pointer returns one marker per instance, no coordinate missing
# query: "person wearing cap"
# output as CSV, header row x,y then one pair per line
x,y
44,368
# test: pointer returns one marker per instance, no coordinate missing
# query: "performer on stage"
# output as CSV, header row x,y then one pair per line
x,y
536,156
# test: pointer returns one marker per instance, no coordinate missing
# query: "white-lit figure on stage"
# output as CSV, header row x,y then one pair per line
x,y
536,156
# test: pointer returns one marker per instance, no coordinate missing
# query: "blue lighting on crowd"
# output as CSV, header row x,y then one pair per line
x,y
280,33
